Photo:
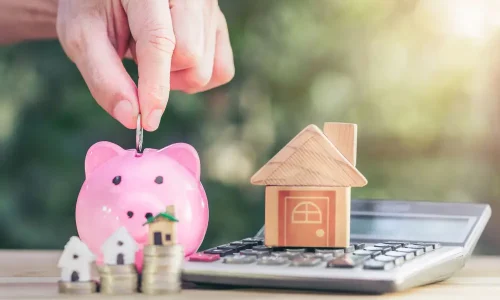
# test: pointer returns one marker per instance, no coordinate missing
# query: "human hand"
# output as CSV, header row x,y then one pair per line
x,y
182,45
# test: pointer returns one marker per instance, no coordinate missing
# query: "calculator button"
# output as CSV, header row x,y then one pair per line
x,y
365,252
381,249
220,252
229,247
261,248
347,261
397,244
417,252
383,245
349,249
253,240
242,245
287,255
254,253
203,257
333,252
272,260
240,259
427,248
396,260
405,255
373,264
295,250
322,256
434,245
305,261
358,246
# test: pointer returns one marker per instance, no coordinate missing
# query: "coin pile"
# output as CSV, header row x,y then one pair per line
x,y
162,269
78,287
118,279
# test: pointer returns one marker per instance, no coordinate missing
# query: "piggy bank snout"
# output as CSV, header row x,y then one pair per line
x,y
135,209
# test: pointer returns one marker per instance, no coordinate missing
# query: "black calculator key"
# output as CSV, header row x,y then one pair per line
x,y
396,260
228,247
220,252
253,240
272,260
333,252
358,246
255,253
405,255
240,259
373,264
381,249
305,261
347,261
364,252
261,248
237,243
417,252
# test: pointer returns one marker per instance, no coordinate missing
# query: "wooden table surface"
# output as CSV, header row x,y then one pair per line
x,y
34,275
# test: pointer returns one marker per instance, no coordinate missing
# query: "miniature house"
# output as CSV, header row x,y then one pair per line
x,y
308,188
75,261
119,248
162,228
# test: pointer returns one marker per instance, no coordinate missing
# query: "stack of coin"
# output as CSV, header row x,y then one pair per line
x,y
78,287
118,279
162,269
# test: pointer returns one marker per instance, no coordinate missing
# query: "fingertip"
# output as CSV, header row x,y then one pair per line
x,y
152,121
125,113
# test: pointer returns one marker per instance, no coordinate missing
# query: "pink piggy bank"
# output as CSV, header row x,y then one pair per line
x,y
124,189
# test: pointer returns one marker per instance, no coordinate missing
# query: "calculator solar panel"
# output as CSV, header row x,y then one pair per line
x,y
396,245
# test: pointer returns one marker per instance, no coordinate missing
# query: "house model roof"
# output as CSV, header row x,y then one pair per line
x,y
121,234
164,215
309,159
75,247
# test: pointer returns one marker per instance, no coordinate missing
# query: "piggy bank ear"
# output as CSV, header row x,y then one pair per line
x,y
99,153
186,155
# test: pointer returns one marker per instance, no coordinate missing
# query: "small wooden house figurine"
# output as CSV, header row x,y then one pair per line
x,y
75,261
120,248
308,188
162,228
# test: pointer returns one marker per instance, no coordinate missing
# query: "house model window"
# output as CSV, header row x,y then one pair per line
x,y
307,213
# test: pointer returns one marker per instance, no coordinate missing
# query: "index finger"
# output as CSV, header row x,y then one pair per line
x,y
151,27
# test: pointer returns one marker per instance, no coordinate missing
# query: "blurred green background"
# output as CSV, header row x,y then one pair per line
x,y
420,78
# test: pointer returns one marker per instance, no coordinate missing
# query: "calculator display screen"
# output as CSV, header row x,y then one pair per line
x,y
443,229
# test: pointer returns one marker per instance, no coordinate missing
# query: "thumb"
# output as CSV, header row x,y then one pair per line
x,y
151,27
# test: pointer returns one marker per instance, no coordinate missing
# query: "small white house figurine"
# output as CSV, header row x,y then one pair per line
x,y
75,261
120,248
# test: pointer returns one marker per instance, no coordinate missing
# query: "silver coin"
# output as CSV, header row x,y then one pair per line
x,y
163,251
117,269
139,135
86,287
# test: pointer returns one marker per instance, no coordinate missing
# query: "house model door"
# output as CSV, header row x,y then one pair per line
x,y
306,217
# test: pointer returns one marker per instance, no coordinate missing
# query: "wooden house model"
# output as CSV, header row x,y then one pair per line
x,y
76,261
162,228
120,248
308,188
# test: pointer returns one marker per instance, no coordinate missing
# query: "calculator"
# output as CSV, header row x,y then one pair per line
x,y
395,245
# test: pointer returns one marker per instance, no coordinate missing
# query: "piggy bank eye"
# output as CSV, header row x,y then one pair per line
x,y
117,180
159,180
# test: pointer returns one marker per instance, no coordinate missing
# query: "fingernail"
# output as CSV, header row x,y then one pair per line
x,y
154,119
123,112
